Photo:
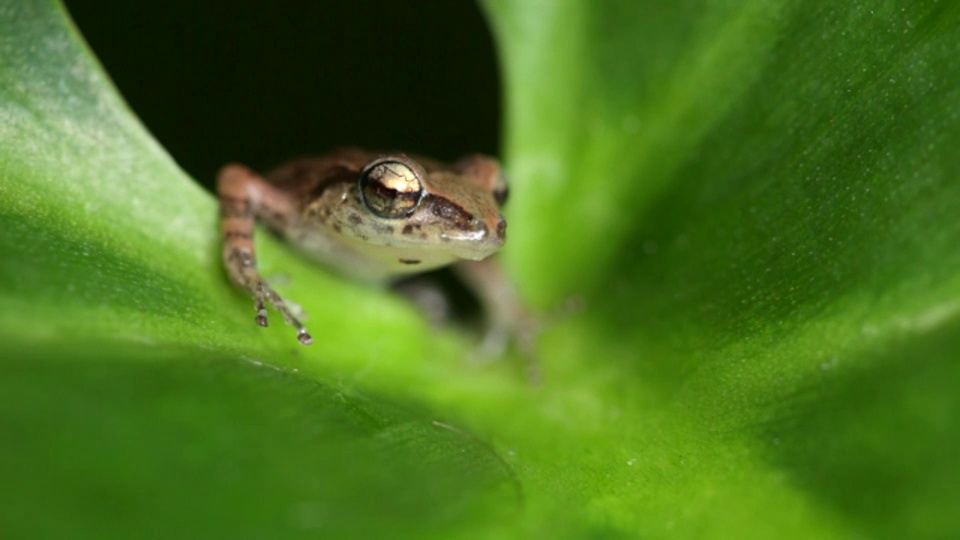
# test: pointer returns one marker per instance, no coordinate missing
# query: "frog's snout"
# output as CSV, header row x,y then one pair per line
x,y
492,231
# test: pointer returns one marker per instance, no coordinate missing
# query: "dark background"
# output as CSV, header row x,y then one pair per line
x,y
262,82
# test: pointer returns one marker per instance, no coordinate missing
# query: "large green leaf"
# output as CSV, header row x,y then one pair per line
x,y
751,207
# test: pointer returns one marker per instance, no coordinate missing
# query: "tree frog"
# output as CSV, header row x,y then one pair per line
x,y
374,217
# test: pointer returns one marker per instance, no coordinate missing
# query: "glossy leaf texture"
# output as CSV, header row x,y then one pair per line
x,y
737,218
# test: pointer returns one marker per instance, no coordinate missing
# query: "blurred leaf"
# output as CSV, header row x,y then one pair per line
x,y
756,202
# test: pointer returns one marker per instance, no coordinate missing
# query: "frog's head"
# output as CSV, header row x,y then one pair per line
x,y
434,215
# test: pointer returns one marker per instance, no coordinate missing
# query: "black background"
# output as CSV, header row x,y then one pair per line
x,y
262,82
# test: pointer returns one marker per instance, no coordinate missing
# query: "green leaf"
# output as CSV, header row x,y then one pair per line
x,y
181,445
136,392
739,220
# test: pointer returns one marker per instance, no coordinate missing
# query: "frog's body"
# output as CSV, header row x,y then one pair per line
x,y
366,215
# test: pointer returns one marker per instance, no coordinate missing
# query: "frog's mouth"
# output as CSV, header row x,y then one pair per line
x,y
477,242
476,251
475,239
477,230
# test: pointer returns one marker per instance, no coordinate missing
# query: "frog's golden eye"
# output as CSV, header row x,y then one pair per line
x,y
390,188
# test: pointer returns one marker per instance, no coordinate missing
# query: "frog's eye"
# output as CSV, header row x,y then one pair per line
x,y
501,193
390,188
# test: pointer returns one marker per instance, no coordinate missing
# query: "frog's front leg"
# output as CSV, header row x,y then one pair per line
x,y
245,197
507,319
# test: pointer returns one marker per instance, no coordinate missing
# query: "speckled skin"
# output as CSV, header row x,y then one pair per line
x,y
369,216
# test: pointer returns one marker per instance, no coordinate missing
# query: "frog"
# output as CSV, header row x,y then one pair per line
x,y
374,217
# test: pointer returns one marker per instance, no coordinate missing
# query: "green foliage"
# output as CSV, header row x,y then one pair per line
x,y
751,208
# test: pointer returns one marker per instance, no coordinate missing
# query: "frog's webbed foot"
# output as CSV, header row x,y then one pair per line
x,y
303,336
243,197
243,271
520,332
